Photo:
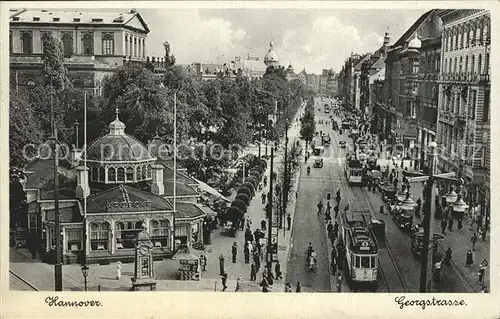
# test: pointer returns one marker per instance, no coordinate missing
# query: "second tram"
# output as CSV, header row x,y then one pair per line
x,y
361,249
354,171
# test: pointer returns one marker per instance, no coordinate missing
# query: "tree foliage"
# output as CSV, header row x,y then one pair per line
x,y
54,72
308,124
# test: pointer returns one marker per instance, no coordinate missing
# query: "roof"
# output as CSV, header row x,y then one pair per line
x,y
184,253
187,210
70,214
205,187
41,172
169,162
379,64
95,18
253,65
182,189
401,41
98,203
111,148
181,177
358,66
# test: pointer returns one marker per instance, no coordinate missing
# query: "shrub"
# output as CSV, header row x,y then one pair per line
x,y
244,198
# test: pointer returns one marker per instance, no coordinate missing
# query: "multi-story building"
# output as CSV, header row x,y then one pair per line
x,y
426,101
356,89
311,80
402,69
347,80
463,128
290,74
94,44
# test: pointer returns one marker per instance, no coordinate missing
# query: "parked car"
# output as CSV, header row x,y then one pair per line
x,y
342,144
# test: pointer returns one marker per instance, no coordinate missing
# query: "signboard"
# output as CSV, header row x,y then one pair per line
x,y
115,205
145,266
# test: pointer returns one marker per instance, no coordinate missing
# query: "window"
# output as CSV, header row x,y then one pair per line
x,y
150,172
160,233
143,48
108,44
144,172
10,41
101,174
139,173
486,108
357,261
88,44
473,64
99,236
27,42
460,65
126,45
74,239
466,66
126,233
487,64
479,64
111,174
67,41
32,221
365,262
120,174
445,65
373,262
135,46
130,174
95,174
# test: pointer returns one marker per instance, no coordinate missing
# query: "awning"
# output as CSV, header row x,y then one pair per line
x,y
184,253
203,186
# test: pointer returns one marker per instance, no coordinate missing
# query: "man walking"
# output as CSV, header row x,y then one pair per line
x,y
336,210
221,264
253,272
224,281
234,251
288,221
473,240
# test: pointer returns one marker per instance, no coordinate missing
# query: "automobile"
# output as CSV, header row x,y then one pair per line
x,y
318,163
403,221
342,144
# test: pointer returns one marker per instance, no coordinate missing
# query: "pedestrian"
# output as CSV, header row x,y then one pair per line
x,y
299,287
336,210
265,285
263,197
320,207
249,222
443,226
263,224
288,287
265,180
118,270
203,262
450,224
221,264
224,281
329,227
339,282
277,270
256,260
246,252
234,251
468,259
238,284
482,269
289,221
473,240
265,273
253,272
417,209
338,196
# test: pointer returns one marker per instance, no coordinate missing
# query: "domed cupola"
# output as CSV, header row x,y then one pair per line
x,y
415,44
119,158
271,58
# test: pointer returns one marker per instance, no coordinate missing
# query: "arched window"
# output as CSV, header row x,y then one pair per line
x,y
455,66
160,233
130,174
95,174
108,44
102,175
111,174
99,236
120,227
466,66
460,66
445,65
67,40
144,172
27,42
120,174
130,49
487,64
139,173
143,48
473,64
467,37
150,172
88,44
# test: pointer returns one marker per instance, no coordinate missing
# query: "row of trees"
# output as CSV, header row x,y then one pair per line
x,y
307,123
221,111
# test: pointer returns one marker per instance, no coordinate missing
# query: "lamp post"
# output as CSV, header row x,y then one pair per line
x,y
427,211
285,180
85,273
269,254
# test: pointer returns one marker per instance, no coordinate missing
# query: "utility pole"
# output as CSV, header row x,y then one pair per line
x,y
285,182
270,214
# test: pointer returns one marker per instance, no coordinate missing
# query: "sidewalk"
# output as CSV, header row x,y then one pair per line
x,y
459,242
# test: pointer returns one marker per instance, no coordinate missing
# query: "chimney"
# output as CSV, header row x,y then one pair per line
x,y
157,187
82,182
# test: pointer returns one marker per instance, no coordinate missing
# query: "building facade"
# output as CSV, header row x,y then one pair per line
x,y
463,127
94,44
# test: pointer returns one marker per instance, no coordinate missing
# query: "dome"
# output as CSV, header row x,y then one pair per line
x,y
117,146
271,57
415,43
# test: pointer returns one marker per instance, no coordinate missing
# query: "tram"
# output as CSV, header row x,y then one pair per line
x,y
360,248
354,171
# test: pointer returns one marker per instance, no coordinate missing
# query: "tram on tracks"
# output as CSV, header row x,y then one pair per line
x,y
354,171
361,249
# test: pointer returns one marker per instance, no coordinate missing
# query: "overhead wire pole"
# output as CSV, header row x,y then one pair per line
x,y
269,212
85,238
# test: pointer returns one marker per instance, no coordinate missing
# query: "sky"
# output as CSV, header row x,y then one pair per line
x,y
307,38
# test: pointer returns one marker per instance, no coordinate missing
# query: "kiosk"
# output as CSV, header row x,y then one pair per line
x,y
189,264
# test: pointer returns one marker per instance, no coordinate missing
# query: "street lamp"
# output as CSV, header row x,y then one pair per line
x,y
85,273
428,192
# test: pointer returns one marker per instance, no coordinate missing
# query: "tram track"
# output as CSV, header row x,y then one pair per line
x,y
24,283
358,200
